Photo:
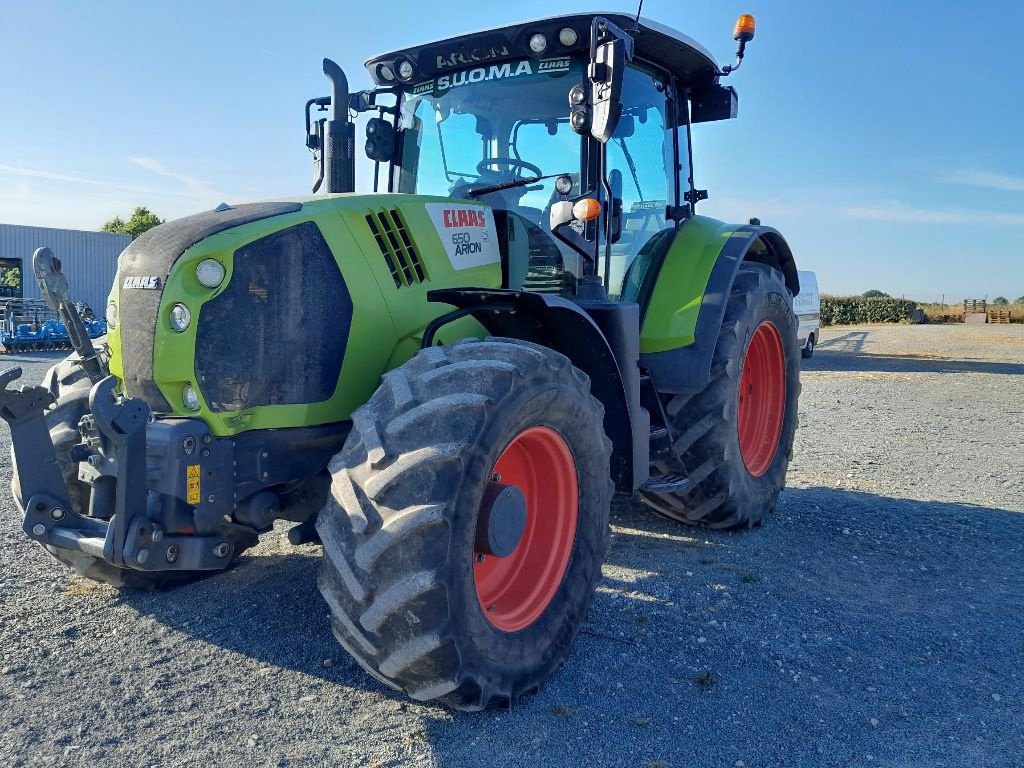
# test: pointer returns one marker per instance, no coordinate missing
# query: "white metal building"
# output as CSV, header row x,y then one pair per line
x,y
89,259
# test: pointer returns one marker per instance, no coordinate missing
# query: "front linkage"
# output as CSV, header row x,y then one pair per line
x,y
113,456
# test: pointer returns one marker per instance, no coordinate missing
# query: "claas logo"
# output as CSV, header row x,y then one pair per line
x,y
462,218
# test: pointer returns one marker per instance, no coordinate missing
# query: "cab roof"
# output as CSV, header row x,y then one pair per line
x,y
654,43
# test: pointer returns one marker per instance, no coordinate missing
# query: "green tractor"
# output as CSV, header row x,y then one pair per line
x,y
443,383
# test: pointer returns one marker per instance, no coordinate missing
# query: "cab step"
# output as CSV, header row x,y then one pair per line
x,y
667,483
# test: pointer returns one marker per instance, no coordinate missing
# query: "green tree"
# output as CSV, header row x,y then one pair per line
x,y
10,277
1000,301
1019,300
142,219
874,293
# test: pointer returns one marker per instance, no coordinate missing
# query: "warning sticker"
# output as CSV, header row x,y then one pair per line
x,y
193,494
467,233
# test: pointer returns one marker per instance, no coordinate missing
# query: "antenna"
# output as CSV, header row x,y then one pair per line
x,y
636,23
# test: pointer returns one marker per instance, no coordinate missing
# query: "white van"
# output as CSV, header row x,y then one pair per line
x,y
807,305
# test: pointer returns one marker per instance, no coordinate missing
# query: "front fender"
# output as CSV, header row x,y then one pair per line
x,y
565,327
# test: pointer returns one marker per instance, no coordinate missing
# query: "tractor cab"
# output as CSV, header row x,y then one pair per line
x,y
534,115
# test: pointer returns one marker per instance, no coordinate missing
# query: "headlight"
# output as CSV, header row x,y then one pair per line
x,y
210,273
538,43
190,398
111,315
180,317
568,37
405,70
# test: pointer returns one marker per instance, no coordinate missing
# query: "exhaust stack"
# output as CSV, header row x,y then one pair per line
x,y
338,151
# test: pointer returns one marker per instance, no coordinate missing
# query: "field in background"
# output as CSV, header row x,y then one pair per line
x,y
861,310
954,313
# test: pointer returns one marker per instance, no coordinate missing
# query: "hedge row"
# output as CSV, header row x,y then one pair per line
x,y
851,310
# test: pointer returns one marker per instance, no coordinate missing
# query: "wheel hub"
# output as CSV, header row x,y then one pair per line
x,y
502,520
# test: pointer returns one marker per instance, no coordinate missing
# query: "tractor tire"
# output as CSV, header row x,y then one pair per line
x,y
415,596
736,436
71,387
808,349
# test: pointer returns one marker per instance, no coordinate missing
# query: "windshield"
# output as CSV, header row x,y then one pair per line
x,y
492,124
467,131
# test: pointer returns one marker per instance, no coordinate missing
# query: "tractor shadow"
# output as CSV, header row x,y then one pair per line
x,y
836,361
809,626
780,644
848,353
851,342
267,608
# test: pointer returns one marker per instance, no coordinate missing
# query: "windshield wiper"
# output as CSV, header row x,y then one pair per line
x,y
512,183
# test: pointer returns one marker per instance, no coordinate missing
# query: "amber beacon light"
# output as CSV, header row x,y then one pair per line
x,y
743,32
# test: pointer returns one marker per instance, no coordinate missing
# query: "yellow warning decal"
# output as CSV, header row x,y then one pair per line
x,y
193,494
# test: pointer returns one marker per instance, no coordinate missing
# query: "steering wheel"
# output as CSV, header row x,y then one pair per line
x,y
511,163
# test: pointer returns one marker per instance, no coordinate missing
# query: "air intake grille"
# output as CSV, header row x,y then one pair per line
x,y
399,251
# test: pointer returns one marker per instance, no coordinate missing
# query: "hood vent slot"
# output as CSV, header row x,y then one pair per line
x,y
399,251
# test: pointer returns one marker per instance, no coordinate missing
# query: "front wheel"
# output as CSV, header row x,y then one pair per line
x,y
736,436
468,522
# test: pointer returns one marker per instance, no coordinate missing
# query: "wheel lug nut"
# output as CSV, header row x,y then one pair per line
x,y
57,513
38,529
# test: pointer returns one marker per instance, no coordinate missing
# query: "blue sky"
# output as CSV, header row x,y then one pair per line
x,y
884,139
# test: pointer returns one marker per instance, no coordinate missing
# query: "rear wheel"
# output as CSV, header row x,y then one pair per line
x,y
468,522
736,436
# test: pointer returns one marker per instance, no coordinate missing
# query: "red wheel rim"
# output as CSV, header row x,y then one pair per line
x,y
762,399
515,590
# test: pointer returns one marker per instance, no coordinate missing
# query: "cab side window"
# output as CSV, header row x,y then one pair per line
x,y
641,172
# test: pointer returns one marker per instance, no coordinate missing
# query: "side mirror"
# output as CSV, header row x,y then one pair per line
x,y
315,137
606,76
380,140
598,111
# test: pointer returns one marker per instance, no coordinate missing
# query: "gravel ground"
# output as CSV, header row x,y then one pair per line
x,y
877,619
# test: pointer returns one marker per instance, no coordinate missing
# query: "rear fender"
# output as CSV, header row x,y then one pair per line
x,y
687,303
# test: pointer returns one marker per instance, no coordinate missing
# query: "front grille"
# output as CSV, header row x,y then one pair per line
x,y
396,246
277,333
